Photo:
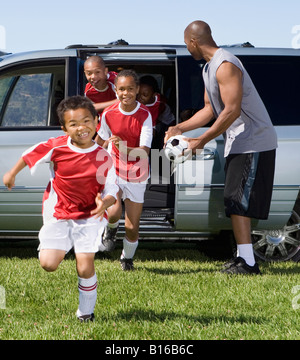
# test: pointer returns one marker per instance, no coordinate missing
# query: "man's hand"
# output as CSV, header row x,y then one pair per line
x,y
172,131
194,144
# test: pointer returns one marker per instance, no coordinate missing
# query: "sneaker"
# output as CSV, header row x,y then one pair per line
x,y
240,267
86,318
230,262
126,264
109,238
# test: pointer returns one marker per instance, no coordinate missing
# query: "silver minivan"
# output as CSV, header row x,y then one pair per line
x,y
183,201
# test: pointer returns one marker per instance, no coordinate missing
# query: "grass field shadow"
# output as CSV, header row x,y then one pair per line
x,y
141,315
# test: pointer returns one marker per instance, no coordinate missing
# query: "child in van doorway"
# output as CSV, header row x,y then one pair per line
x,y
100,88
162,116
127,125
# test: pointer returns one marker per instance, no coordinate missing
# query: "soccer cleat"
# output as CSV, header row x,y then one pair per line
x,y
126,264
86,318
230,262
240,267
109,238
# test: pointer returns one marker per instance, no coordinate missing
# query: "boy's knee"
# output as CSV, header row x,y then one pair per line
x,y
84,271
50,259
85,265
49,267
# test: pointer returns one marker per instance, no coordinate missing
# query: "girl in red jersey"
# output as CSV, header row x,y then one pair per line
x,y
127,125
82,186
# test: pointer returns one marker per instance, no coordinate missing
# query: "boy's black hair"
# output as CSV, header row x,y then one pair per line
x,y
74,103
150,81
127,73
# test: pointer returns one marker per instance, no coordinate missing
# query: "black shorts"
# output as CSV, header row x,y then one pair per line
x,y
249,184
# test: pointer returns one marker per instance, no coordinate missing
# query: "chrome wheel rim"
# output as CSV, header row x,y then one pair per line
x,y
279,244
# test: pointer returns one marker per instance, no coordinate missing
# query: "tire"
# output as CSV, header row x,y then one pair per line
x,y
280,244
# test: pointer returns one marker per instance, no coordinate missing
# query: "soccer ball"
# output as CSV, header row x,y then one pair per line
x,y
176,149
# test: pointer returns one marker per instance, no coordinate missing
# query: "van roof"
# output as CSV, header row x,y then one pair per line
x,y
180,50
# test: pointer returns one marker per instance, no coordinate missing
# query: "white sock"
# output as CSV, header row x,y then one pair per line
x,y
87,295
113,225
129,249
245,251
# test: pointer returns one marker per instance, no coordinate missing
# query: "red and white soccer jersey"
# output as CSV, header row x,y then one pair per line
x,y
156,108
99,96
160,111
134,128
76,177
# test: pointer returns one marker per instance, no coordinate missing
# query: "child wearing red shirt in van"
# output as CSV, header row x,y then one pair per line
x,y
162,116
100,88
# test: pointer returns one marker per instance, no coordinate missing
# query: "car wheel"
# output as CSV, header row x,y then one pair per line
x,y
279,244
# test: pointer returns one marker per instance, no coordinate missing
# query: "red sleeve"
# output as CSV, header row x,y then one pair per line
x,y
111,76
41,153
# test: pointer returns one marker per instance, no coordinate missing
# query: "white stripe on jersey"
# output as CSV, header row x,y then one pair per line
x,y
44,159
49,205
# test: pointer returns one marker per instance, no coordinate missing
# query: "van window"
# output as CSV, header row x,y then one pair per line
x,y
5,84
29,97
277,80
190,86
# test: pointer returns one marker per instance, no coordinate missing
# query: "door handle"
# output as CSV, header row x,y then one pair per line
x,y
206,154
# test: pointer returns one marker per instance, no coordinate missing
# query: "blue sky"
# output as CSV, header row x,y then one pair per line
x,y
30,24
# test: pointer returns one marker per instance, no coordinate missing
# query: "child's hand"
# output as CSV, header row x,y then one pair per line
x,y
100,209
115,139
9,180
10,176
102,205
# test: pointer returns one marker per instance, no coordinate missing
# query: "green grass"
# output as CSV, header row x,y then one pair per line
x,y
176,293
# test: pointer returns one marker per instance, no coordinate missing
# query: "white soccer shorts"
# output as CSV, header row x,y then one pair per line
x,y
132,191
84,235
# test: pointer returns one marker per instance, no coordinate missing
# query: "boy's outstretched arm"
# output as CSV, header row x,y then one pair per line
x,y
9,177
103,105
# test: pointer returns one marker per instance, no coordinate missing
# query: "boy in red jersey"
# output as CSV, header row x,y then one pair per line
x,y
82,186
150,96
127,125
100,88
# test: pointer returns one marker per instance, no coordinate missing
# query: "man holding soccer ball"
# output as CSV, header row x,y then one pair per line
x,y
250,139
